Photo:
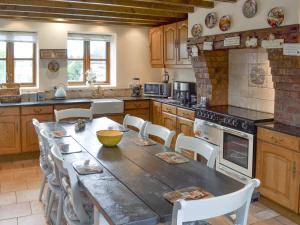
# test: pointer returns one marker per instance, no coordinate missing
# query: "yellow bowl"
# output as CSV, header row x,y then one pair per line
x,y
109,138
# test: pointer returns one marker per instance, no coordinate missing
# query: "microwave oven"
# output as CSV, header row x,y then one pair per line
x,y
162,90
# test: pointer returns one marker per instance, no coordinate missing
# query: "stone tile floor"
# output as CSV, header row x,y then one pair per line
x,y
19,205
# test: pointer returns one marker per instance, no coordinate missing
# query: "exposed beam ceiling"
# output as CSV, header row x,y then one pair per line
x,y
132,12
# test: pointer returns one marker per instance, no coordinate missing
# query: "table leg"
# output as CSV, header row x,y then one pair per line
x,y
99,218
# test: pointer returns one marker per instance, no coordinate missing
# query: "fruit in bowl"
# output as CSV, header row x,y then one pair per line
x,y
109,138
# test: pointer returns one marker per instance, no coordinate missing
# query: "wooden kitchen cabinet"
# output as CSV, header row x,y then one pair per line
x,y
185,126
156,38
70,106
278,168
138,108
182,57
156,112
10,135
170,44
170,121
29,136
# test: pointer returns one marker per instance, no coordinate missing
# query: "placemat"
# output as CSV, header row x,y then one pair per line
x,y
59,133
85,167
172,157
144,142
190,193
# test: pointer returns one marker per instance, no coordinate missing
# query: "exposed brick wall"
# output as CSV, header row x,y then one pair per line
x,y
286,77
211,71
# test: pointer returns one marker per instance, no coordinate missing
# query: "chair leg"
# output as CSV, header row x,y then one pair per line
x,y
59,209
47,201
42,187
49,208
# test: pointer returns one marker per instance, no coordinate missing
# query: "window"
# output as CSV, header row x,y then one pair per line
x,y
18,58
88,53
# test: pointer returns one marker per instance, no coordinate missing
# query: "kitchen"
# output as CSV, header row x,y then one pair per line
x,y
218,72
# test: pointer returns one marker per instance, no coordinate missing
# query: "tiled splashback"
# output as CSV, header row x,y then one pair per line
x,y
250,80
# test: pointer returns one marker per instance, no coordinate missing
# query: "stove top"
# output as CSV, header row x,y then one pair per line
x,y
242,113
234,117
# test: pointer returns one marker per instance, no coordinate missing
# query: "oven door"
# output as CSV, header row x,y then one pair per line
x,y
207,131
152,89
236,151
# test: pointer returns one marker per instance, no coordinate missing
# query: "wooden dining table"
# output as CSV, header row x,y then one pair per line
x,y
130,189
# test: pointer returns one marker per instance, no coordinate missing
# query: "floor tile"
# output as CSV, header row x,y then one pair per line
x,y
14,185
285,221
34,183
268,222
13,221
36,207
15,210
27,195
8,198
266,214
32,220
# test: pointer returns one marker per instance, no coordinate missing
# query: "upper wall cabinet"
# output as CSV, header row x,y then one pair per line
x,y
174,45
156,37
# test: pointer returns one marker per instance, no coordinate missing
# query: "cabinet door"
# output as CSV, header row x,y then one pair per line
x,y
278,170
9,135
156,37
156,113
29,137
182,37
185,126
170,44
141,113
169,121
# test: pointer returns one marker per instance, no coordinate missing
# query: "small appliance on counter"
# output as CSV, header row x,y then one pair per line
x,y
185,93
60,92
161,90
166,76
136,87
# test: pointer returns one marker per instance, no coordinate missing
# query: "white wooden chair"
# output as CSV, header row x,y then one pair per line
x,y
136,122
159,131
77,208
46,170
73,113
54,181
203,148
203,209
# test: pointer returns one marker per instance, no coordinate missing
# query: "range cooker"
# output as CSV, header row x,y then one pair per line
x,y
233,129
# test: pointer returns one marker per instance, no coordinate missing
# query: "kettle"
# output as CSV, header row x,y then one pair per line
x,y
60,92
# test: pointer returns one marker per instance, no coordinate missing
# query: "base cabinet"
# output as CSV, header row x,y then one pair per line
x,y
29,137
185,126
9,135
278,170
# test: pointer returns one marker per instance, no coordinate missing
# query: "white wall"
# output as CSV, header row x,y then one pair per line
x,y
241,23
132,49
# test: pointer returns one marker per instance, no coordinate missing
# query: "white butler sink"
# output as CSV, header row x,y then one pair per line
x,y
107,106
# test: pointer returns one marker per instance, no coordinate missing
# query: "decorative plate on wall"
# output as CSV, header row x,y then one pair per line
x,y
276,17
250,8
225,23
196,30
53,66
211,20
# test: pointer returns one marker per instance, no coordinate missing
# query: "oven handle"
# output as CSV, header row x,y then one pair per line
x,y
211,124
241,134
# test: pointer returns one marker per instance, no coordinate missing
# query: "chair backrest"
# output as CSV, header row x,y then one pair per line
x,y
136,122
76,195
47,143
37,128
73,113
161,132
203,209
203,148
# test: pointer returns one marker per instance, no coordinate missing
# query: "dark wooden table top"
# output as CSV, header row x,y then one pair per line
x,y
131,188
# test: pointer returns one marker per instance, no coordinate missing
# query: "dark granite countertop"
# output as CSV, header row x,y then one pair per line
x,y
282,128
162,100
47,102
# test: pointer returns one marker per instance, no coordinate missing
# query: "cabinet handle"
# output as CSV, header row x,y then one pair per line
x,y
294,170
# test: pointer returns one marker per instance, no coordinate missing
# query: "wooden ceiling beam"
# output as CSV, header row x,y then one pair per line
x,y
194,3
95,7
86,13
60,17
73,21
138,4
